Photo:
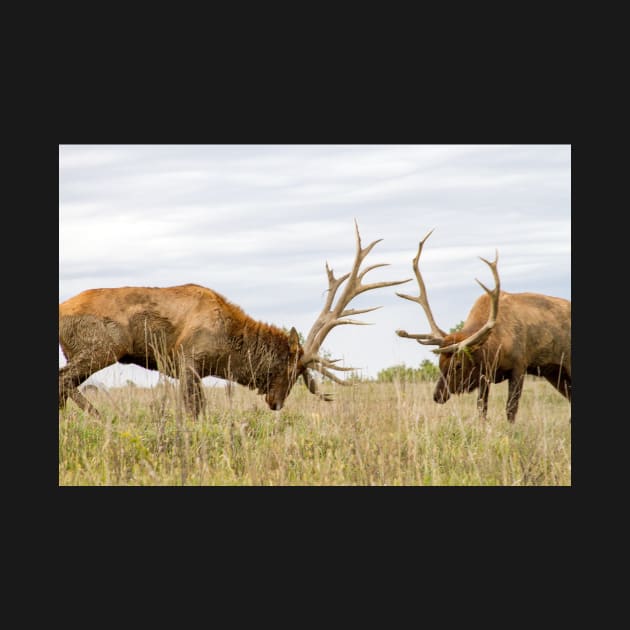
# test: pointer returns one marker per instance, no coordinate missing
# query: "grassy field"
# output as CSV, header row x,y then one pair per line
x,y
371,434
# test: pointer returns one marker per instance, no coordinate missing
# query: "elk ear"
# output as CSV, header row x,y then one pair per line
x,y
294,340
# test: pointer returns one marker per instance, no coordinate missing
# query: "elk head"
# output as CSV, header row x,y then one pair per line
x,y
334,314
460,352
282,372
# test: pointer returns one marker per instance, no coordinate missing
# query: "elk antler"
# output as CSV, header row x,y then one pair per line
x,y
437,334
480,335
335,314
313,387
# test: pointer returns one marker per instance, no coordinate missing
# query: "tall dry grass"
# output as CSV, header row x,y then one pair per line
x,y
371,434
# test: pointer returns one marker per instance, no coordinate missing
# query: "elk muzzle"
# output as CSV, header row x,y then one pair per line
x,y
275,401
274,405
441,393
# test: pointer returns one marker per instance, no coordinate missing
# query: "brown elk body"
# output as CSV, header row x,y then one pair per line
x,y
505,336
190,332
187,332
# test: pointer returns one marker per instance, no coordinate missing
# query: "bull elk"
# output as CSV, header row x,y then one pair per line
x,y
190,332
505,336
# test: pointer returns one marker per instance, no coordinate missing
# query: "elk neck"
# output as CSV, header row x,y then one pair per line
x,y
256,350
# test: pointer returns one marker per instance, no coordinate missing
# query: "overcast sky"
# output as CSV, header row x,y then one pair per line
x,y
258,222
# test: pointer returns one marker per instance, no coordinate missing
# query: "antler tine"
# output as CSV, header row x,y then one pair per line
x,y
481,334
495,274
336,314
425,339
437,334
313,387
321,363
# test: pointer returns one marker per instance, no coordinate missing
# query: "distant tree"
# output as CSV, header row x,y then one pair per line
x,y
396,373
457,328
428,371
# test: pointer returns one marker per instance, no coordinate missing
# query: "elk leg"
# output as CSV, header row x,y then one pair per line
x,y
72,375
515,388
90,344
192,391
561,380
482,397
